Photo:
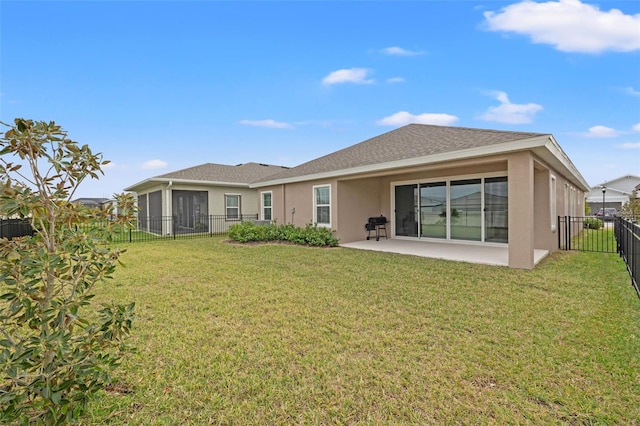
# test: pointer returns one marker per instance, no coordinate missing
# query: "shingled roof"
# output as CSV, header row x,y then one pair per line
x,y
410,141
210,173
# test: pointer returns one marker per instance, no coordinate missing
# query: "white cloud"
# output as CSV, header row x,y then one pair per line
x,y
271,124
403,117
399,51
601,132
629,145
352,75
109,166
636,127
569,25
510,113
631,91
154,164
395,80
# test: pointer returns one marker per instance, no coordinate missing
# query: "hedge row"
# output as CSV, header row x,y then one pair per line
x,y
309,235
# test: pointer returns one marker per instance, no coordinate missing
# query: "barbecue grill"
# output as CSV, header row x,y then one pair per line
x,y
376,224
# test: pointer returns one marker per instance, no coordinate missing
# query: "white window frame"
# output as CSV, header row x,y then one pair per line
x,y
264,207
553,201
227,207
316,205
448,180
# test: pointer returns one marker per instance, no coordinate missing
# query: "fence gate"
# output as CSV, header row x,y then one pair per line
x,y
586,234
619,235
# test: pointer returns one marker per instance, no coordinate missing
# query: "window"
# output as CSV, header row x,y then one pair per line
x,y
267,205
552,201
232,206
322,205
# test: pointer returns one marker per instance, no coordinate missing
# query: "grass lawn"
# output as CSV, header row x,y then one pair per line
x,y
280,334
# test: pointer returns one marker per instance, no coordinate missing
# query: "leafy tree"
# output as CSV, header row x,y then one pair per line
x,y
56,348
632,207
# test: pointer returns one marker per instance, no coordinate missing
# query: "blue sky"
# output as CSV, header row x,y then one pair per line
x,y
161,86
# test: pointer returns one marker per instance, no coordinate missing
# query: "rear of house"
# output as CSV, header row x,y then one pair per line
x,y
436,183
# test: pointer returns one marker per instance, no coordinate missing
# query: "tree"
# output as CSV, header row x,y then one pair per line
x,y
57,348
631,208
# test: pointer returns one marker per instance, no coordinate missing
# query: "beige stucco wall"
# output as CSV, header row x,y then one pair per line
x,y
545,234
299,196
521,211
359,200
355,198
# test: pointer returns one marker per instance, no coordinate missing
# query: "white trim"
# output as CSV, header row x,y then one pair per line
x,y
447,179
554,148
186,181
315,206
226,206
262,206
553,201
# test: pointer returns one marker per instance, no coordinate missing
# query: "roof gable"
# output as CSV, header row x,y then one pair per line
x,y
623,183
617,189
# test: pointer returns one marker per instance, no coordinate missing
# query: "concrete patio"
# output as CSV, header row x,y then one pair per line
x,y
456,251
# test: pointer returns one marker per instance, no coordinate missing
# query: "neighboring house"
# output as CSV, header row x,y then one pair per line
x,y
436,183
93,202
97,203
616,192
191,196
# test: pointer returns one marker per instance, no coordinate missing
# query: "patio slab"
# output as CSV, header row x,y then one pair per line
x,y
456,251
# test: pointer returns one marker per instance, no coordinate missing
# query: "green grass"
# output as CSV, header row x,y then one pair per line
x,y
280,334
599,240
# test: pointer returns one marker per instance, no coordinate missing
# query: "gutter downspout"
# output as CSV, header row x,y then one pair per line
x,y
168,205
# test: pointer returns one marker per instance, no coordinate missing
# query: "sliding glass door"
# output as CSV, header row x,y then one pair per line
x,y
496,210
406,197
433,210
465,209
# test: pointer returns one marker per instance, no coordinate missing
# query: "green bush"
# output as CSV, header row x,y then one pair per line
x,y
309,235
592,223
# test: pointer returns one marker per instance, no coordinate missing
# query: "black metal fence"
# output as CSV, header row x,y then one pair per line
x,y
619,235
627,234
586,234
13,228
148,228
174,227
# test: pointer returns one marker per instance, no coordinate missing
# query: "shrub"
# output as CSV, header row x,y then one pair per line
x,y
55,353
592,223
309,235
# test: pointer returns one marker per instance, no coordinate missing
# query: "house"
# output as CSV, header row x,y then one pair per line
x,y
93,202
616,192
192,196
437,184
